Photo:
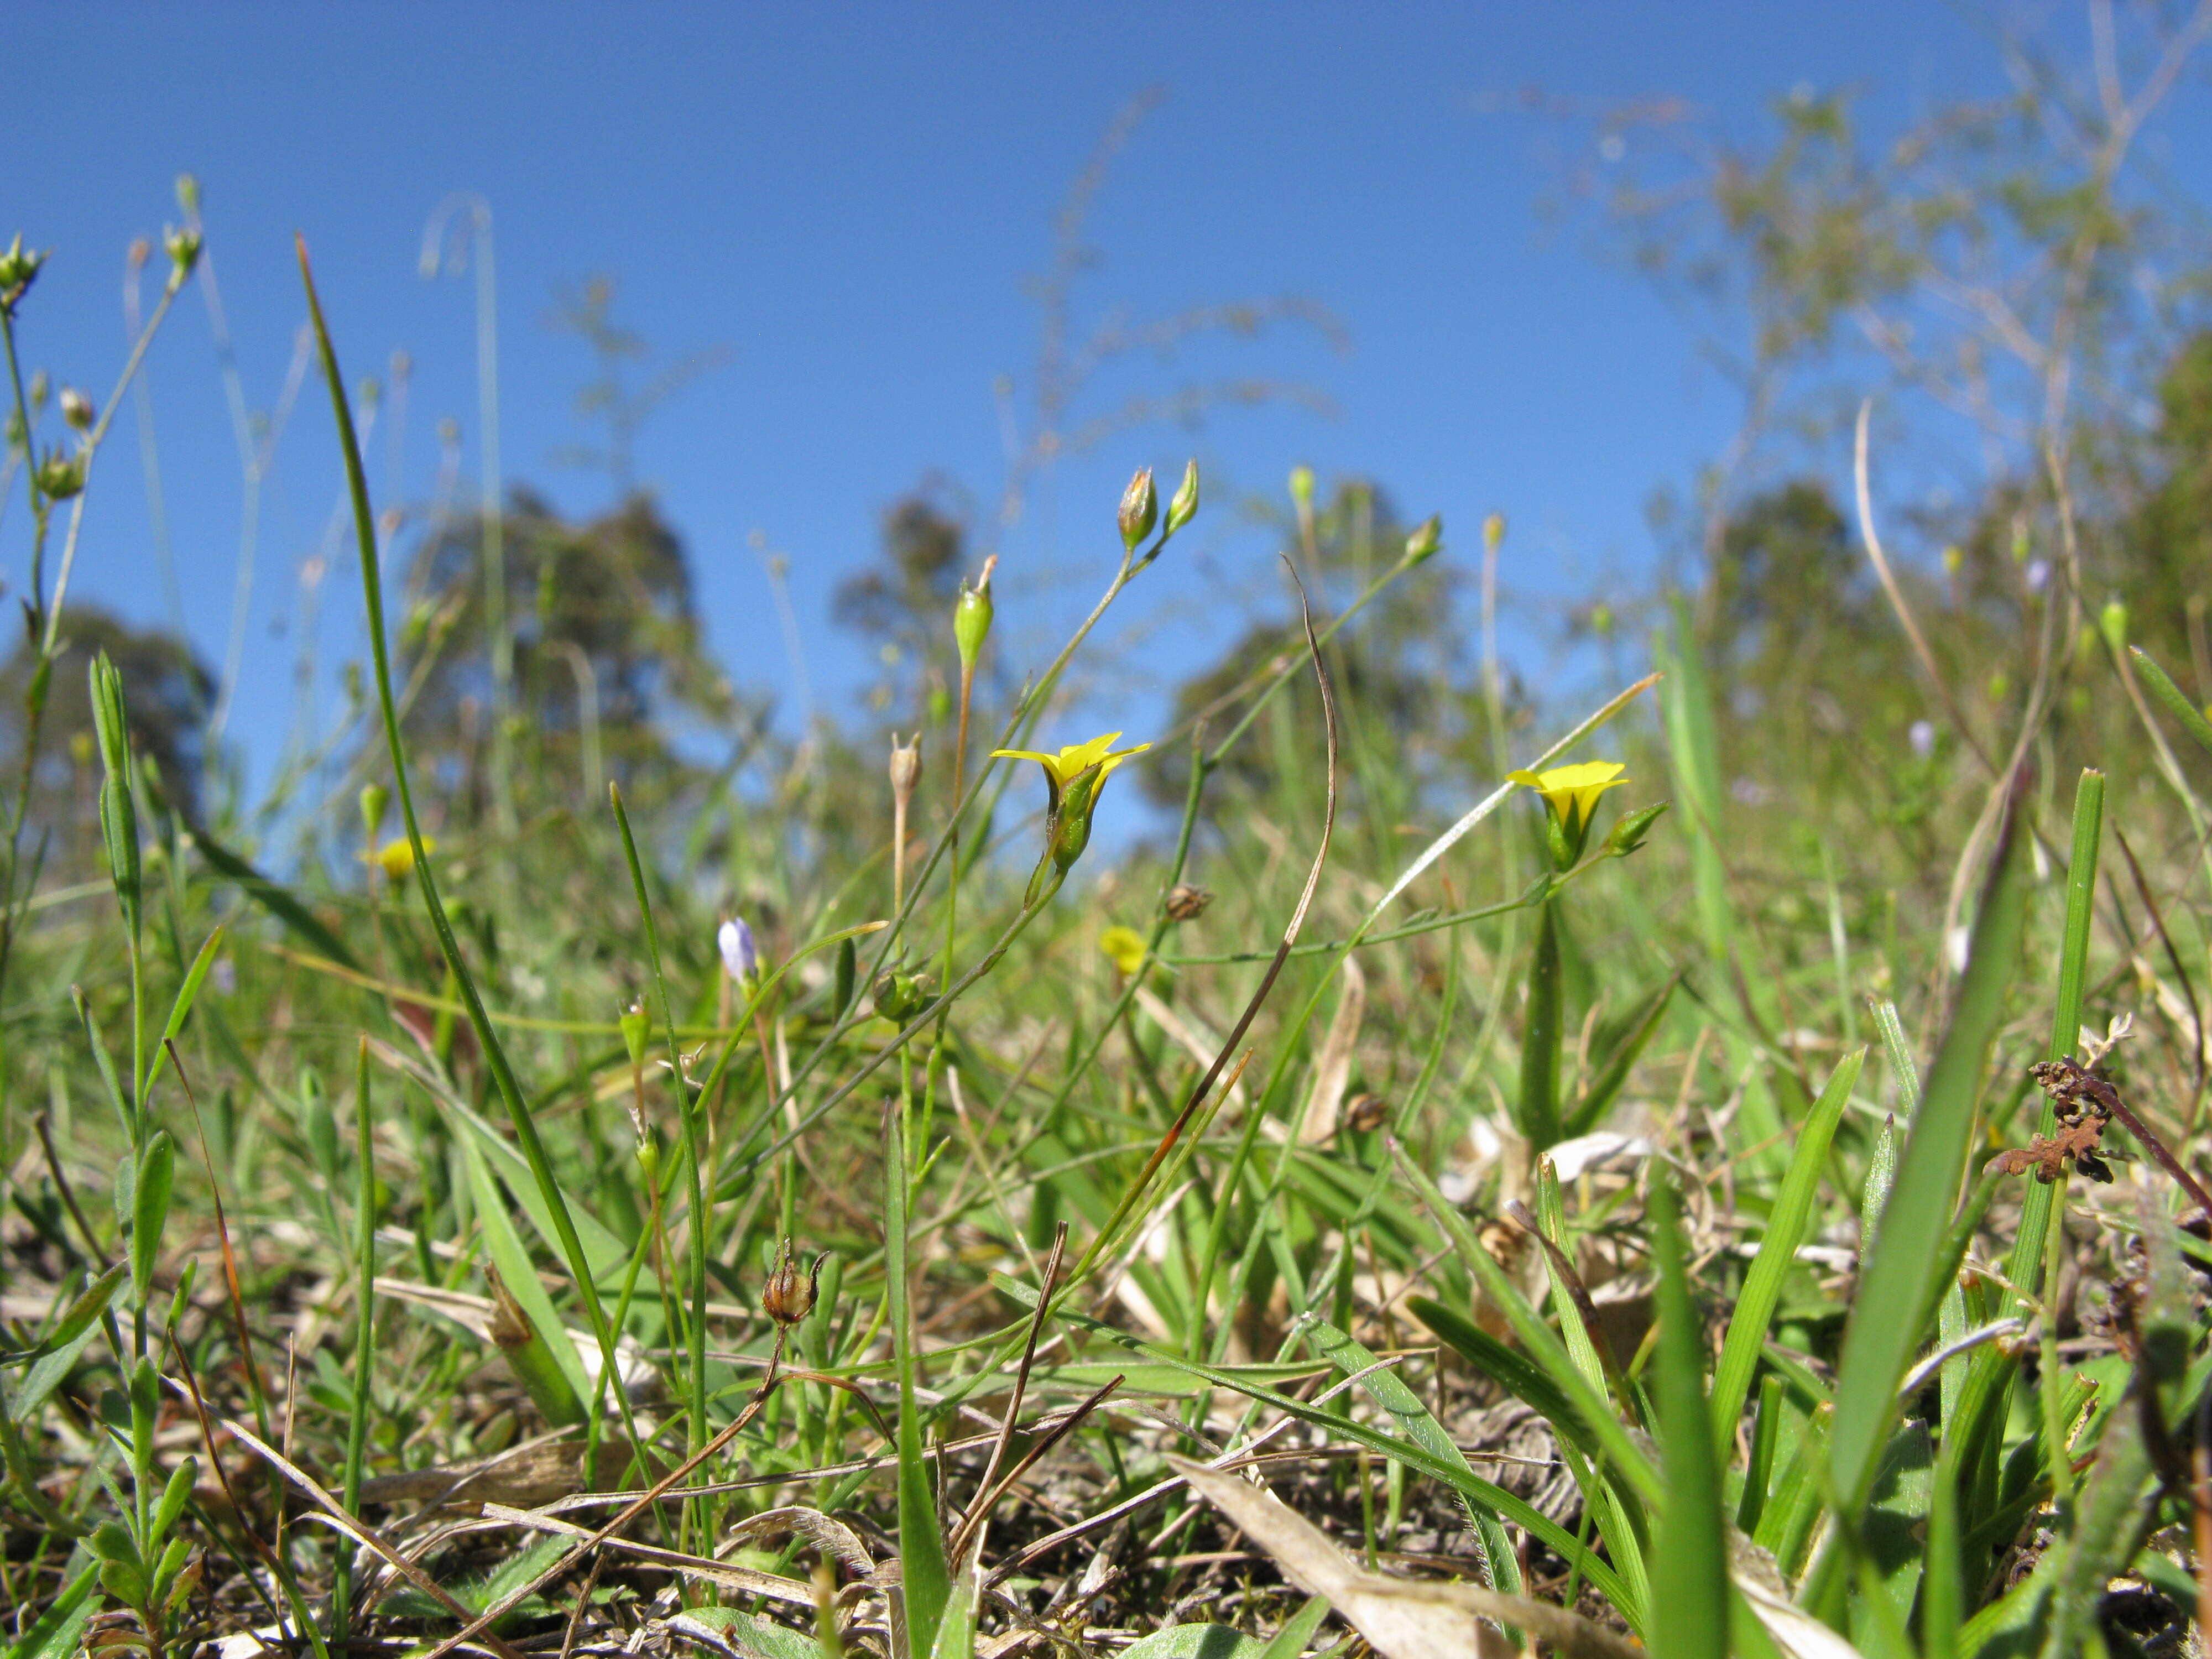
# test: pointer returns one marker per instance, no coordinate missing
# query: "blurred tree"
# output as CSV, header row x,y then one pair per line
x,y
1398,669
608,650
167,691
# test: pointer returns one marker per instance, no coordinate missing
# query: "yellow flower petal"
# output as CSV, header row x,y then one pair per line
x,y
1124,947
397,858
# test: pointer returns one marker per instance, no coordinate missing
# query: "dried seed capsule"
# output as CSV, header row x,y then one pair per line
x,y
1186,902
787,1298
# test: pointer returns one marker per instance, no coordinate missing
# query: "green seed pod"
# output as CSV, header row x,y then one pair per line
x,y
840,995
1421,546
1628,832
635,1027
899,997
2112,622
1184,506
971,621
1140,509
59,477
183,247
374,800
1301,488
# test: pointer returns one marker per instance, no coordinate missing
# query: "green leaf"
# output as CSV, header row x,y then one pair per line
x,y
1889,1315
1507,1367
1208,1642
60,1351
560,1404
1298,1630
1778,1251
494,1052
759,1639
1619,1043
150,1210
56,1633
1536,1109
956,1628
923,1572
181,1009
1689,1552
174,1496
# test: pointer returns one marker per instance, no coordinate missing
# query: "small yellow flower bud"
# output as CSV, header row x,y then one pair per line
x,y
397,858
1493,532
1301,488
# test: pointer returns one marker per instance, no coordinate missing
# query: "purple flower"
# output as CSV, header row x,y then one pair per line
x,y
1922,737
735,941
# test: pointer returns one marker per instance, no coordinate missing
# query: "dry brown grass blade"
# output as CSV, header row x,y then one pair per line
x,y
1204,1088
746,1580
984,1492
1401,1618
825,1532
1333,1070
356,1528
629,1512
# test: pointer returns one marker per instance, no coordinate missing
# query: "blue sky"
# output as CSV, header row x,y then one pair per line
x,y
849,198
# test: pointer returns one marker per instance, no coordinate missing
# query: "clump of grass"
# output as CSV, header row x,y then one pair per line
x,y
413,1255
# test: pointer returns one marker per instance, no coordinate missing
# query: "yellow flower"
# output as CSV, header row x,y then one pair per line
x,y
397,858
1072,779
1075,760
1572,791
1125,946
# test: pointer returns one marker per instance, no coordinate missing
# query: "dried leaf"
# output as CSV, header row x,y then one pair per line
x,y
1401,1619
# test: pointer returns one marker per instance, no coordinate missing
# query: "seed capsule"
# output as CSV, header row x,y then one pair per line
x,y
1186,902
787,1298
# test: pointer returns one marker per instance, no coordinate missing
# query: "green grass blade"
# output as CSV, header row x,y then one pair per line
x,y
1417,1459
54,1634
553,1374
510,1087
274,897
1689,1556
927,1580
1894,1300
1507,1367
1544,1348
1778,1251
1497,1568
2024,1267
